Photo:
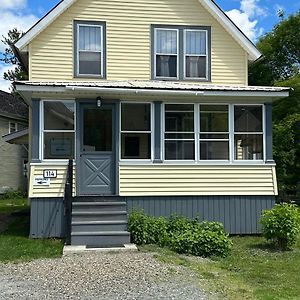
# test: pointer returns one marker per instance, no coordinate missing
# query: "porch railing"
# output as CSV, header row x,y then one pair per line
x,y
68,199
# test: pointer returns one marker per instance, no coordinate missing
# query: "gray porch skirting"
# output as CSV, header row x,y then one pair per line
x,y
47,218
239,214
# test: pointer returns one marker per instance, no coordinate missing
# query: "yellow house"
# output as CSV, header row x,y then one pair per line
x,y
147,104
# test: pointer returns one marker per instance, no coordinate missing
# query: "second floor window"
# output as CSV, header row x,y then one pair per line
x,y
181,53
13,127
89,50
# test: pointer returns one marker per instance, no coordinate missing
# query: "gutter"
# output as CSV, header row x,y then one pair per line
x,y
153,92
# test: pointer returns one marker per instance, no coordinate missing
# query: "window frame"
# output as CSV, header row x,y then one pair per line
x,y
231,133
151,132
102,26
194,55
42,131
10,127
181,51
263,133
177,53
163,133
221,140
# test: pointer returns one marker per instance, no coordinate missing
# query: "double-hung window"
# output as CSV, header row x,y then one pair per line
x,y
195,56
13,127
136,130
248,132
179,132
90,49
58,129
166,53
181,52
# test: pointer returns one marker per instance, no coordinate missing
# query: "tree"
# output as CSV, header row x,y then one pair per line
x,y
281,50
280,66
9,58
286,127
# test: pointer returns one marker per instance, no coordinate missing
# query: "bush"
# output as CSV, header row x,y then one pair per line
x,y
10,194
180,234
146,229
281,225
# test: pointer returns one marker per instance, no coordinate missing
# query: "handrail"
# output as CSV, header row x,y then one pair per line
x,y
68,199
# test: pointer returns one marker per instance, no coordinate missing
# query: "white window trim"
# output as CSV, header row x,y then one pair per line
x,y
10,127
201,55
212,140
263,133
136,160
42,131
101,51
231,160
155,53
164,132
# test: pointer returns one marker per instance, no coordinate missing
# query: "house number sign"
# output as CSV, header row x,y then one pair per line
x,y
50,173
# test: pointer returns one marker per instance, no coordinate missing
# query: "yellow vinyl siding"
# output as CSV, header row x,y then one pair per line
x,y
128,40
57,185
172,180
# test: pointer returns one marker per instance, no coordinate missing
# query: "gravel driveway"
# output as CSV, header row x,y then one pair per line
x,y
95,275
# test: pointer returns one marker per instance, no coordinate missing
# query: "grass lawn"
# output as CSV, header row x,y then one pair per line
x,y
252,271
15,246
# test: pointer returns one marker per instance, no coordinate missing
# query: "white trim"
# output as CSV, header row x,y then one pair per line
x,y
196,55
78,50
10,125
263,133
151,132
43,23
229,26
164,132
274,95
177,53
208,4
43,130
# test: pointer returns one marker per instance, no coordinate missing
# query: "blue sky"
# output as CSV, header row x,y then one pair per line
x,y
254,17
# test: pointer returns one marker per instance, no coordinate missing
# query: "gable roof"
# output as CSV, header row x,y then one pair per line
x,y
12,106
210,5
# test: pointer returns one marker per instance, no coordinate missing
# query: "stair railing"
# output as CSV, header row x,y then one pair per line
x,y
68,199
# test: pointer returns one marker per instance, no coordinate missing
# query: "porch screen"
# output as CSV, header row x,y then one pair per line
x,y
214,132
248,132
58,129
136,131
179,132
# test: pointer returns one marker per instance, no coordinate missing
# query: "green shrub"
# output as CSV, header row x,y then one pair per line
x,y
13,195
180,234
146,229
281,225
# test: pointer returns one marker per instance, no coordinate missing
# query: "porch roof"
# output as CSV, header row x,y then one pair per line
x,y
150,88
19,137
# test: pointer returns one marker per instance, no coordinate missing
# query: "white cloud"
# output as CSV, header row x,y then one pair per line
x,y
4,84
10,20
252,8
246,18
11,16
13,4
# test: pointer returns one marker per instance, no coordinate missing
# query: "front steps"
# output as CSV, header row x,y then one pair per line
x,y
99,222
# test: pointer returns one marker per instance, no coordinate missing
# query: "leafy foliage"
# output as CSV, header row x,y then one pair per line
x,y
281,50
180,234
9,58
281,225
